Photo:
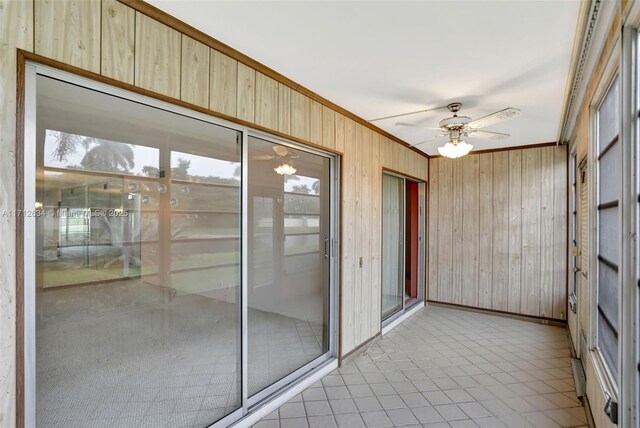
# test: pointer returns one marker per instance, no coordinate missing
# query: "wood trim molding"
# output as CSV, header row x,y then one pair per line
x,y
533,318
404,174
19,255
29,56
184,28
505,149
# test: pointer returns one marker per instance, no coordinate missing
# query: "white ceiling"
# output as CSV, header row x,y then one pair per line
x,y
379,58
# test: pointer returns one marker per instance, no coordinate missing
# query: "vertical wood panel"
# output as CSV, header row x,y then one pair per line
x,y
457,214
300,115
194,86
157,57
315,122
433,221
470,166
485,256
546,231
515,230
445,252
340,136
118,41
329,129
500,228
531,199
349,259
560,212
16,31
223,83
363,198
376,237
246,98
284,109
68,31
266,101
357,237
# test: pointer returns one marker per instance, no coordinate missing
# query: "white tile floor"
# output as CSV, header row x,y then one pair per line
x,y
447,368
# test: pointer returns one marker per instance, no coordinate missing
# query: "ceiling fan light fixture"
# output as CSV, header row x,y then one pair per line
x,y
285,169
455,149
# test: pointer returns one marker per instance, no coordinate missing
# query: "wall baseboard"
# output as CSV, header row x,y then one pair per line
x,y
349,356
521,317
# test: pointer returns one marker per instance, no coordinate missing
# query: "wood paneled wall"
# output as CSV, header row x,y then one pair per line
x,y
498,231
112,39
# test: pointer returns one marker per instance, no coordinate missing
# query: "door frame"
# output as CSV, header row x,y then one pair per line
x,y
26,347
422,222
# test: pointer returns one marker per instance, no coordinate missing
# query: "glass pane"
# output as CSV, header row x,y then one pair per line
x,y
608,293
608,172
608,344
608,117
608,234
288,272
608,314
138,274
392,245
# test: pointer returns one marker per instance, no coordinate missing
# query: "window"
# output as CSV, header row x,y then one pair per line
x,y
607,151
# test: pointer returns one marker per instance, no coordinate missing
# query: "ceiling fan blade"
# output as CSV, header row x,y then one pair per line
x,y
263,157
437,137
488,135
418,126
507,113
280,150
407,114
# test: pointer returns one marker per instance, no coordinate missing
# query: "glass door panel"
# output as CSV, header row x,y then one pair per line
x,y
288,266
138,263
393,218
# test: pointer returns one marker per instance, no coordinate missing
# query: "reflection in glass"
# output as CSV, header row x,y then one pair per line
x,y
288,290
138,279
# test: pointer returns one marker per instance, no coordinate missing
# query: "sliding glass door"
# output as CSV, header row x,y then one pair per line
x,y
402,244
393,218
288,291
176,260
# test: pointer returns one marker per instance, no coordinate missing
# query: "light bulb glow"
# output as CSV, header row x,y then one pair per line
x,y
285,169
455,150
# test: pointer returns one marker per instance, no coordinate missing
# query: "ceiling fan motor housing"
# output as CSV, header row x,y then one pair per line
x,y
455,122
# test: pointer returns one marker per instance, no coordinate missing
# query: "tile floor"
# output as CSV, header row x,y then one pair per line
x,y
447,368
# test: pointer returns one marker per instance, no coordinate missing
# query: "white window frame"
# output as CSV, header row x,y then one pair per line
x,y
610,73
629,294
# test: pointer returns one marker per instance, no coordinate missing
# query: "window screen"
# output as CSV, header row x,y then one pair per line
x,y
607,152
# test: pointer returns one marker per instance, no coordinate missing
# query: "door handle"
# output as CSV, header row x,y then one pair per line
x,y
326,248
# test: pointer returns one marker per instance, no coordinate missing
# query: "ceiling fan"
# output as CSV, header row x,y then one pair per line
x,y
284,159
456,127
